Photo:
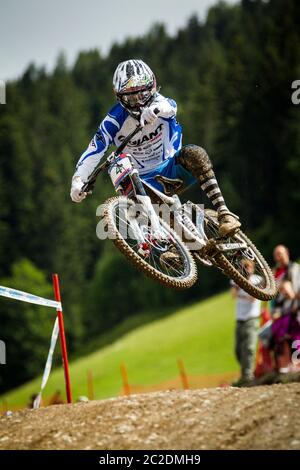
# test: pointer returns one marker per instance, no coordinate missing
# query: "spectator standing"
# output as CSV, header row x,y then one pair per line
x,y
285,308
247,323
285,269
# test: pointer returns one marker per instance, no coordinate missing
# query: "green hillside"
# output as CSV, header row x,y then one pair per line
x,y
201,335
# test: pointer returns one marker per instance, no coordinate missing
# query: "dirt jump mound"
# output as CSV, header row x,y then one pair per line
x,y
264,417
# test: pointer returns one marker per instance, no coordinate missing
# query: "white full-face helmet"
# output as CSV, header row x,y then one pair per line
x,y
134,84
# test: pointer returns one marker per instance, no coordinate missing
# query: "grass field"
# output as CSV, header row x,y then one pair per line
x,y
200,334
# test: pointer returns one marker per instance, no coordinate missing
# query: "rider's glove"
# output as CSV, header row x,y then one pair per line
x,y
76,188
148,116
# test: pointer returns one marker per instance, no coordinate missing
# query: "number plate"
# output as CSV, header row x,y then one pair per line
x,y
120,169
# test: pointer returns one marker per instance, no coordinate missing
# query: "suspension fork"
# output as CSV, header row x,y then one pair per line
x,y
146,202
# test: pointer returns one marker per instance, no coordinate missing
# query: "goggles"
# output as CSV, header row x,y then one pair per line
x,y
135,100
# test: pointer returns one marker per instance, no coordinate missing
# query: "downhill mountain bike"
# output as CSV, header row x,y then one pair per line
x,y
165,238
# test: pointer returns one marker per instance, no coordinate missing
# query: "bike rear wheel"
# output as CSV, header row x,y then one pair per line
x,y
232,263
179,275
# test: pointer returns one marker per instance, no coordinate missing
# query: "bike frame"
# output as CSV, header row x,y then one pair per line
x,y
199,240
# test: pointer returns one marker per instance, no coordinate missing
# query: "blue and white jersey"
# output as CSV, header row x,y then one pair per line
x,y
149,148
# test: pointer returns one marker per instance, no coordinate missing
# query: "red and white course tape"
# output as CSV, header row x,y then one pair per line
x,y
57,329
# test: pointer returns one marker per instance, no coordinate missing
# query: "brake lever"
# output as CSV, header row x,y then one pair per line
x,y
155,110
87,188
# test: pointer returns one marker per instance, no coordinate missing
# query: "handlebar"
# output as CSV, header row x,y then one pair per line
x,y
90,183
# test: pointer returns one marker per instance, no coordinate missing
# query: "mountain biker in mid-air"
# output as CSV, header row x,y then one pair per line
x,y
157,152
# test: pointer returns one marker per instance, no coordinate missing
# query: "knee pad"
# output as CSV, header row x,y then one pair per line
x,y
195,160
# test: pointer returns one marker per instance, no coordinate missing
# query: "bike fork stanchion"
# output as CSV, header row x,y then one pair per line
x,y
63,343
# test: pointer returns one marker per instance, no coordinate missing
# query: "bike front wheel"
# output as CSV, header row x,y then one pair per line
x,y
167,261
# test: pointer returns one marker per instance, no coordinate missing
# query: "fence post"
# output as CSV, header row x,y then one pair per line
x,y
183,375
126,387
62,336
